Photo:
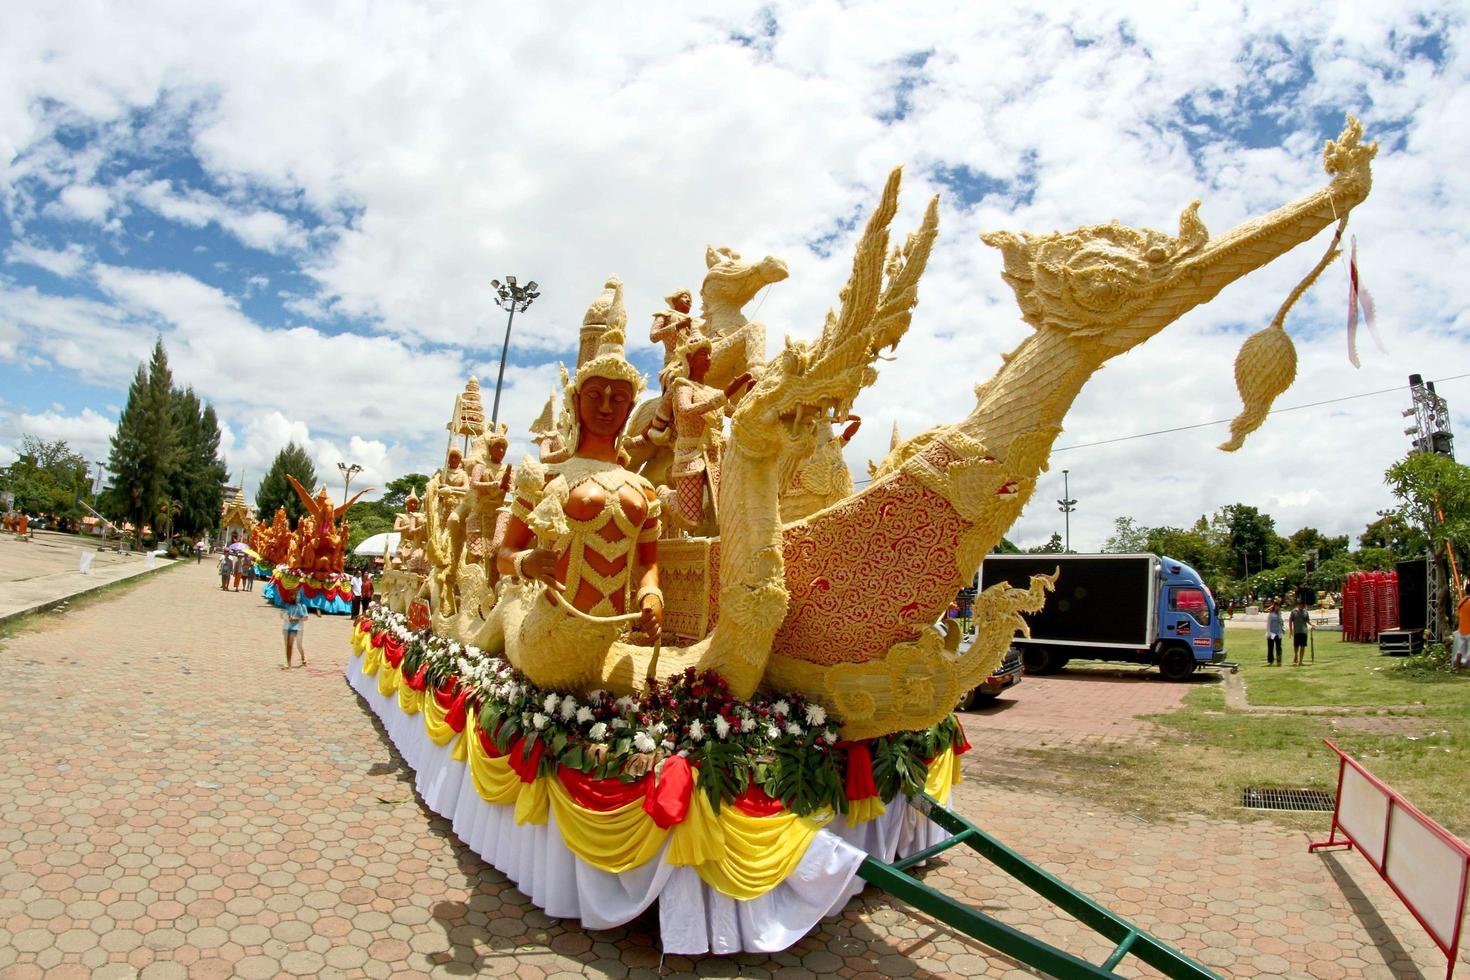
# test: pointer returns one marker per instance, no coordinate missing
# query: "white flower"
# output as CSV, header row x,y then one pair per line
x,y
625,703
781,708
722,727
643,743
829,737
619,723
598,731
584,715
538,721
793,729
551,702
816,714
568,708
747,724
773,732
660,728
696,730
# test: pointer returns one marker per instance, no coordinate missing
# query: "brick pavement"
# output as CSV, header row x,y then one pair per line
x,y
176,805
1082,705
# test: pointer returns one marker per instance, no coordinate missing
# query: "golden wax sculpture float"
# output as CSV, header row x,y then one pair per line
x,y
649,537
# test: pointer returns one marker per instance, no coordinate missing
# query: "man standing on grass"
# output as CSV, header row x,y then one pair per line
x,y
1301,624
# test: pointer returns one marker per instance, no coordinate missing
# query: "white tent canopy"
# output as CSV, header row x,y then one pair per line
x,y
374,545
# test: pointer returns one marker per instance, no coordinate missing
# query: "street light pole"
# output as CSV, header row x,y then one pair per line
x,y
1066,505
348,472
513,299
97,488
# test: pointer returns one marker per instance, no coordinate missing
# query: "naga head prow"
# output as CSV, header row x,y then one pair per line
x,y
1108,288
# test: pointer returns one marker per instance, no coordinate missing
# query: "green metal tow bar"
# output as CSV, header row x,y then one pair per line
x,y
1012,942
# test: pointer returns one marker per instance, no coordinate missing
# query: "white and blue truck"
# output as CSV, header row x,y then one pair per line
x,y
1141,609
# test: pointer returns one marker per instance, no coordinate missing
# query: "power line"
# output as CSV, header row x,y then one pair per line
x,y
1274,411
1204,425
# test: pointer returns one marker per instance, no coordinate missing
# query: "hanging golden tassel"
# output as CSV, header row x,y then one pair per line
x,y
1266,364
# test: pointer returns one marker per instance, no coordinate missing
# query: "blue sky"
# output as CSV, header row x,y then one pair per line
x,y
309,209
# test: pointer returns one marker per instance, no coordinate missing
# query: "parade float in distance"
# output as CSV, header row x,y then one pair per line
x,y
677,658
306,561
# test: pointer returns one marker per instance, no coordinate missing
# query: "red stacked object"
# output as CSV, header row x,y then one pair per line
x,y
1370,604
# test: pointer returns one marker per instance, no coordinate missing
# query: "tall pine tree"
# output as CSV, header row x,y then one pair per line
x,y
275,492
197,482
165,455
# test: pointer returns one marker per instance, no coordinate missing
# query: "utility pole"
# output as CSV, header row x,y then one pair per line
x,y
1066,505
348,472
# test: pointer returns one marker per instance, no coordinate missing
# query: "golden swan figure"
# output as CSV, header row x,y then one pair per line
x,y
842,605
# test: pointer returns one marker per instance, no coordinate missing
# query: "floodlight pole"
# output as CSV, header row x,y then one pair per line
x,y
513,299
1066,505
348,472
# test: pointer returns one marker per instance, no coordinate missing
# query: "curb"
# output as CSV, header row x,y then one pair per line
x,y
50,604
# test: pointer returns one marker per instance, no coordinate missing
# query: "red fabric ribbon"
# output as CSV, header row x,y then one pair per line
x,y
379,639
668,802
393,650
600,794
488,744
860,782
961,744
419,681
525,765
755,803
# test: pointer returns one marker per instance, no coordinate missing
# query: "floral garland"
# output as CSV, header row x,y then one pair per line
x,y
784,747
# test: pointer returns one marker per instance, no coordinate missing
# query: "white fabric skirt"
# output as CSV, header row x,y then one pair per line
x,y
694,918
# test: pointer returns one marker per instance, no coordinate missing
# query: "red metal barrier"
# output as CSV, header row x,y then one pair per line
x,y
1424,864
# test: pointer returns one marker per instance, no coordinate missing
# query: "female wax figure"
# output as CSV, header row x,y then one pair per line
x,y
582,533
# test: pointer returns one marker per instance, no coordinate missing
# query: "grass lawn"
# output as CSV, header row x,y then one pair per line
x,y
1405,720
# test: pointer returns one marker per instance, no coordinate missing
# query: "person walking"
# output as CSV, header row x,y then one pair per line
x,y
1461,658
356,581
1273,636
1301,625
225,567
249,572
293,615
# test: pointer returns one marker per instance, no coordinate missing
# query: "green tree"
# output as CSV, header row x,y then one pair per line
x,y
145,448
1251,537
275,491
1309,539
1394,534
1434,495
197,482
47,478
1128,537
1053,546
396,492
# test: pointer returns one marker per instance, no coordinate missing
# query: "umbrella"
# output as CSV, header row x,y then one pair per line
x,y
376,544
238,546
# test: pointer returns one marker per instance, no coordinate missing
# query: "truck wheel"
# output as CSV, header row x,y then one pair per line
x,y
1040,660
1177,664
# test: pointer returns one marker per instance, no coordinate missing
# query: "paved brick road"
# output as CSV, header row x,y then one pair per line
x,y
174,804
1085,705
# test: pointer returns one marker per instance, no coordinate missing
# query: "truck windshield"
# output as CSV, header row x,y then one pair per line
x,y
1191,601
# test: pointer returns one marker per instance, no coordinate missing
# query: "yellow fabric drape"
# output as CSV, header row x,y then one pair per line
x,y
760,852
944,772
698,838
494,779
532,804
436,727
356,640
388,679
411,702
613,840
861,811
372,659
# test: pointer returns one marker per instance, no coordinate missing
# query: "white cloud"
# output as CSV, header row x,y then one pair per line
x,y
66,262
589,147
87,432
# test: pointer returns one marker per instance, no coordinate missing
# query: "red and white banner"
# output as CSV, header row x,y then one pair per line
x,y
1424,864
